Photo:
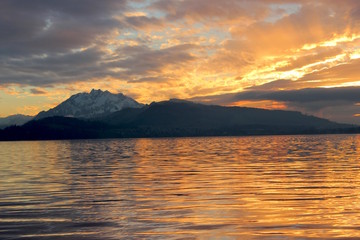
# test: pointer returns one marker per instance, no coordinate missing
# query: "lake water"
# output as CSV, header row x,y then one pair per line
x,y
274,187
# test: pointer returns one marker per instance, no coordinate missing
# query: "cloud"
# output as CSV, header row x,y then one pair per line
x,y
315,56
47,42
348,94
323,102
158,79
144,22
312,23
37,91
51,26
210,10
280,84
53,68
341,73
144,61
50,42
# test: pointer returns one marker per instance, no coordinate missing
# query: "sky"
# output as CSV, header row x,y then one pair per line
x,y
289,54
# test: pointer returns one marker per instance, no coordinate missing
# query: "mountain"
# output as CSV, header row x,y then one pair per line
x,y
89,105
177,118
185,114
17,119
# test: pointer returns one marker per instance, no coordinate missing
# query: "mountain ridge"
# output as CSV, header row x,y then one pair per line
x,y
176,119
182,113
16,119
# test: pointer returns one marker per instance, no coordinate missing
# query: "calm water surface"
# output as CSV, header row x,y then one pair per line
x,y
276,187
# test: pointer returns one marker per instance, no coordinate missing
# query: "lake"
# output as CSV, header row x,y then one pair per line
x,y
272,187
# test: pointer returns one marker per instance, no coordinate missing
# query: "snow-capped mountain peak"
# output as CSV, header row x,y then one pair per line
x,y
88,105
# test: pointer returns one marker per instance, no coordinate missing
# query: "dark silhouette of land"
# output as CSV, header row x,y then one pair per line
x,y
176,118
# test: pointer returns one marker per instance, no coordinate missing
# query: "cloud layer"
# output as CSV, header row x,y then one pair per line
x,y
160,49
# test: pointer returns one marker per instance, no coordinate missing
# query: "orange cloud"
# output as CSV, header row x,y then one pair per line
x,y
265,104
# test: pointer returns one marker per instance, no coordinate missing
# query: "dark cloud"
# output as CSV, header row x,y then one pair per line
x,y
348,94
220,99
41,39
45,42
145,61
42,26
134,62
338,104
53,68
143,22
276,85
37,91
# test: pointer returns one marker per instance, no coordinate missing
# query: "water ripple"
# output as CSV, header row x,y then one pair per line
x,y
276,187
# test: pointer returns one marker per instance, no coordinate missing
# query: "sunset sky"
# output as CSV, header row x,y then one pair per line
x,y
296,55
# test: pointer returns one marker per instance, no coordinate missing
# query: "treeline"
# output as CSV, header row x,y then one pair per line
x,y
57,128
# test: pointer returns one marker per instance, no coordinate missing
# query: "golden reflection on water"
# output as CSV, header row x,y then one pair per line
x,y
191,188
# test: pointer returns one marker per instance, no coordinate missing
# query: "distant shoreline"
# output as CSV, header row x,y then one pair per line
x,y
173,137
